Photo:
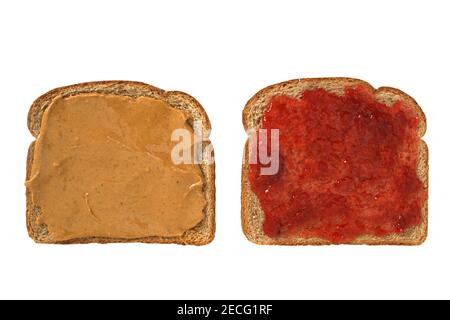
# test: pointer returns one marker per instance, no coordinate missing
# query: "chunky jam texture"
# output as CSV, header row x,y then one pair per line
x,y
347,167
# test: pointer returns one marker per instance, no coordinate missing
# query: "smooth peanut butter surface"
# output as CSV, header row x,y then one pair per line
x,y
102,168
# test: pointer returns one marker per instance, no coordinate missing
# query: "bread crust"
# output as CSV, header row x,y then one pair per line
x,y
252,215
202,234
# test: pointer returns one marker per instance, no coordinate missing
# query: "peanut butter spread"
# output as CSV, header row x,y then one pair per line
x,y
102,168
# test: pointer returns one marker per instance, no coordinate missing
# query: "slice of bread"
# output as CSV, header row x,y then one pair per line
x,y
201,234
252,214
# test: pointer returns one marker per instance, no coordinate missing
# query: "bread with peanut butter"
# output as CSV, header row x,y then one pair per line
x,y
102,167
352,167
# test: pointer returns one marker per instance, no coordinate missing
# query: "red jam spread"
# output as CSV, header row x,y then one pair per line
x,y
347,167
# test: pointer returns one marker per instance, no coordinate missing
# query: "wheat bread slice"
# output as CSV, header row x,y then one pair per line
x,y
252,215
201,234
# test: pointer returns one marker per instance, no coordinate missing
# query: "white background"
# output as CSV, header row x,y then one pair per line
x,y
221,53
